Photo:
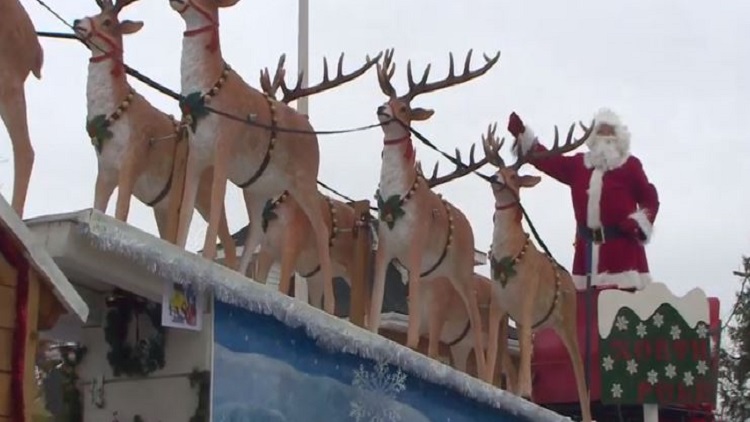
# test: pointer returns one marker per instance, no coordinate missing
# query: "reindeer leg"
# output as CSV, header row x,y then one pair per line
x,y
126,180
493,329
468,295
254,231
507,366
569,336
105,185
218,193
378,287
193,172
415,300
438,301
203,205
263,263
13,113
524,337
308,200
315,291
290,250
161,216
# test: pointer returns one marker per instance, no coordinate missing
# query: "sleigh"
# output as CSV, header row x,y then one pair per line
x,y
652,353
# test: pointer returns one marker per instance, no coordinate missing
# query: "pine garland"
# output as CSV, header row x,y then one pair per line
x,y
147,355
203,380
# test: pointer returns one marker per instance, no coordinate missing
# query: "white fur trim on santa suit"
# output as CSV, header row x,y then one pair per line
x,y
623,280
644,224
526,141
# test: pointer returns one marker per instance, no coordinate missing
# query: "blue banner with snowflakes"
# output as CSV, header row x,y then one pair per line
x,y
265,371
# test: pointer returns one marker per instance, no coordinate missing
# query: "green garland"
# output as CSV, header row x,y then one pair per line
x,y
203,380
147,355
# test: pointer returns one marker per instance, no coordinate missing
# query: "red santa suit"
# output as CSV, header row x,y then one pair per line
x,y
613,197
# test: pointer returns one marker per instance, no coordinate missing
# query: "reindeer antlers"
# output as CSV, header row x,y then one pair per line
x,y
385,73
557,149
460,171
492,146
116,7
290,95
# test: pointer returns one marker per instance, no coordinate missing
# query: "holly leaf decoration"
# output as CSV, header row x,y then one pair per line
x,y
194,105
503,269
390,210
98,130
268,214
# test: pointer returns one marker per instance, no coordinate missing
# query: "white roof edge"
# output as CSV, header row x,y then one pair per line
x,y
175,264
43,262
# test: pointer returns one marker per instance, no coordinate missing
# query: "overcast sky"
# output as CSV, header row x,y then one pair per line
x,y
677,72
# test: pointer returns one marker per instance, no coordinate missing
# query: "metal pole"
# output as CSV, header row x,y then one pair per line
x,y
303,41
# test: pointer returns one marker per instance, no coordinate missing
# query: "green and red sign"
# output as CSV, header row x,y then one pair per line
x,y
660,360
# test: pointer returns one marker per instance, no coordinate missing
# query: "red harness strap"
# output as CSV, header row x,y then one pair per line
x,y
212,27
409,152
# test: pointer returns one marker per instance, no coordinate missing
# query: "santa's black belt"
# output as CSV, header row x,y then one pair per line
x,y
601,234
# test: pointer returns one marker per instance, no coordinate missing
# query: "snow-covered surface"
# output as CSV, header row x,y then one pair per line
x,y
43,263
174,264
693,306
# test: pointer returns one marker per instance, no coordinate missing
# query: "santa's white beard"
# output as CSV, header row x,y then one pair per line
x,y
605,155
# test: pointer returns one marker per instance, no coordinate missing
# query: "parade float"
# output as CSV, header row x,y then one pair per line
x,y
164,334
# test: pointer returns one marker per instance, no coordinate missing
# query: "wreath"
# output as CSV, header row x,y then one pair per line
x,y
146,355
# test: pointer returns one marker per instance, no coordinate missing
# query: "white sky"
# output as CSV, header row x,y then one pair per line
x,y
677,72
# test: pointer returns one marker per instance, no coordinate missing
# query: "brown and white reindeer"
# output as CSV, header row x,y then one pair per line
x,y
535,290
20,54
261,145
445,310
136,143
288,236
430,236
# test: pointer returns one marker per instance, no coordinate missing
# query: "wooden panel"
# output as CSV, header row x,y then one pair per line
x,y
6,344
32,338
8,274
7,307
50,308
4,394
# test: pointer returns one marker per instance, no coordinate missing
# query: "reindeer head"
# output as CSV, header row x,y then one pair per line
x,y
200,11
396,114
506,182
103,32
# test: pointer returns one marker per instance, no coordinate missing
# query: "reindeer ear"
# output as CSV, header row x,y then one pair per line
x,y
130,27
528,181
421,113
226,3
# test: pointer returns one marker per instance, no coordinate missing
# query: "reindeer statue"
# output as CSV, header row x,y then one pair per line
x,y
261,145
418,227
447,316
535,290
136,144
20,54
288,235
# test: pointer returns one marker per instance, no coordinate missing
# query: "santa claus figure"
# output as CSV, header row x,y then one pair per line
x,y
614,203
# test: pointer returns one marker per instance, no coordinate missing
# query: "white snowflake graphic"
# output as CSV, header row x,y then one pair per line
x,y
608,363
653,377
377,390
702,367
616,391
658,320
675,332
670,371
632,366
702,330
641,330
622,323
688,378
